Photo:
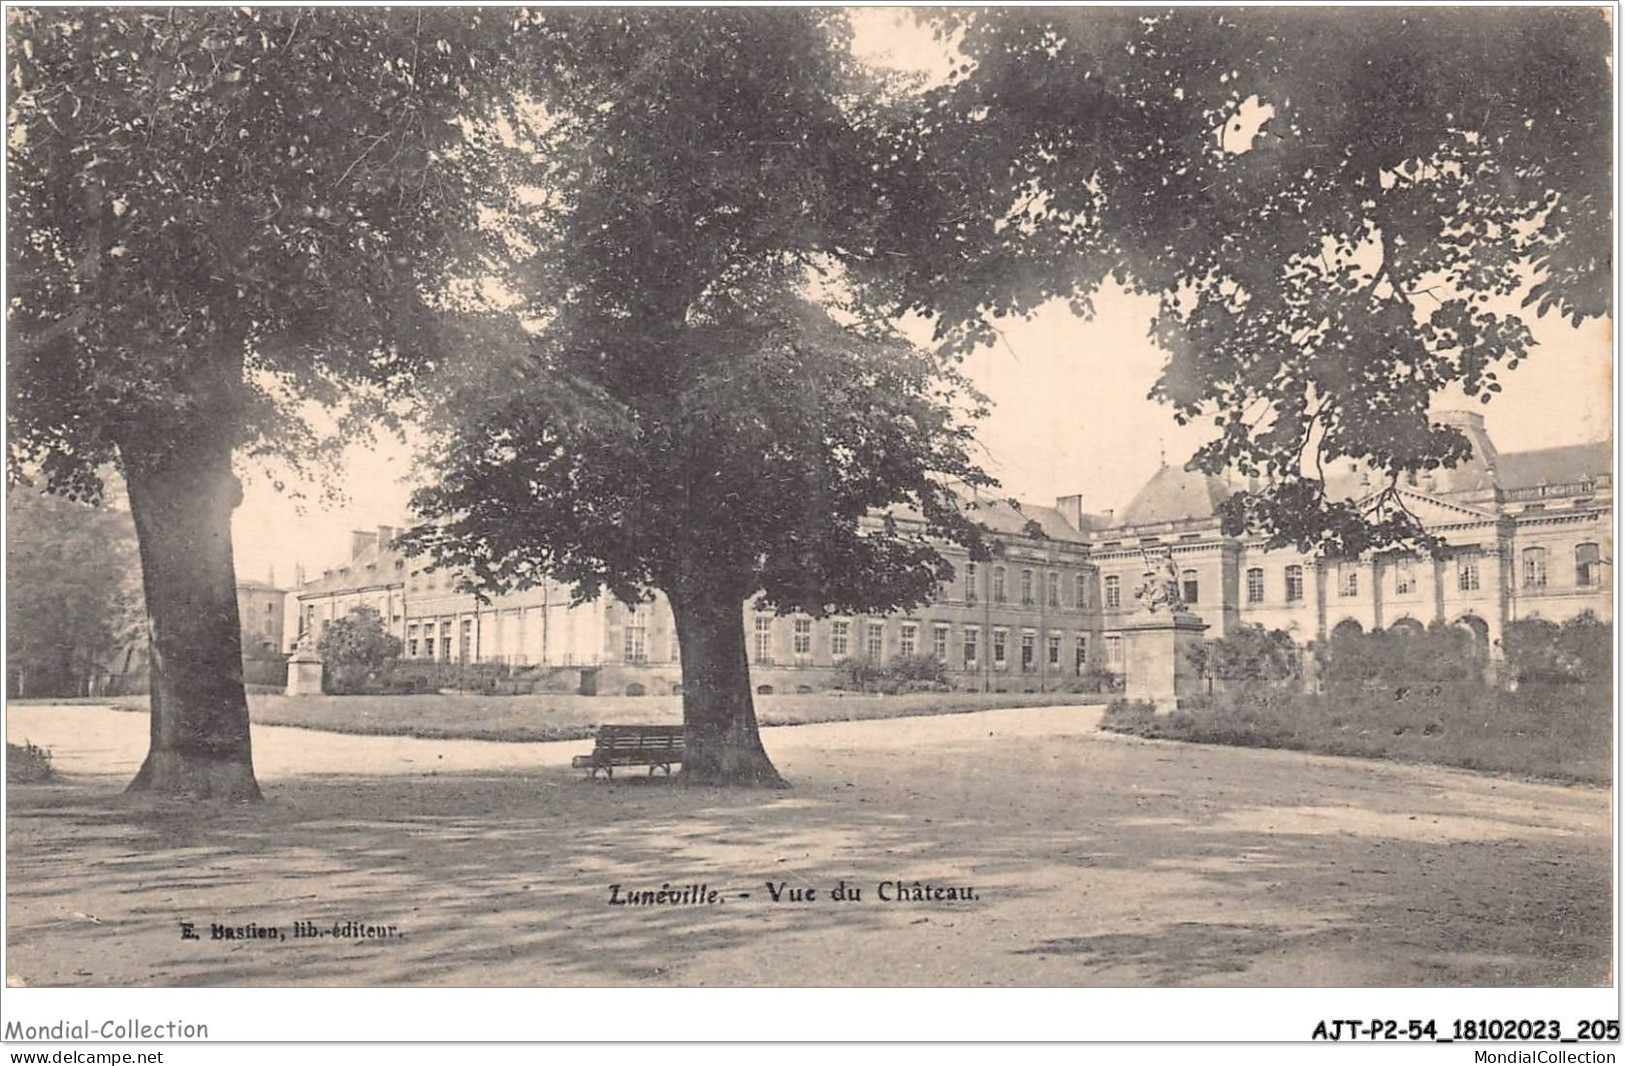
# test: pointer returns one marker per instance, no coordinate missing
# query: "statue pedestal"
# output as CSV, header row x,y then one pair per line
x,y
304,673
1158,667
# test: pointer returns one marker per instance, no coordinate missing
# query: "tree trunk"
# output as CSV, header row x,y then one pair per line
x,y
182,500
722,745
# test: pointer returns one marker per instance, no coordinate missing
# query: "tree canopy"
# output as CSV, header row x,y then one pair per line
x,y
213,210
1336,209
73,595
708,400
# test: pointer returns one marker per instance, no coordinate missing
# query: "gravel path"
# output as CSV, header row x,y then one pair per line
x,y
1088,859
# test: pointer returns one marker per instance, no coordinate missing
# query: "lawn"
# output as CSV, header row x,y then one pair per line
x,y
1558,732
570,717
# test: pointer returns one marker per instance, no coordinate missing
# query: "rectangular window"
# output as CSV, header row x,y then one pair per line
x,y
1027,587
1114,592
802,637
445,641
939,643
1081,655
1255,585
466,646
906,643
998,584
1080,593
1052,588
1534,568
1587,565
1028,642
1348,579
1114,650
970,582
411,642
971,637
998,648
1467,572
838,632
877,640
1055,649
1294,583
1188,586
764,639
1404,577
635,636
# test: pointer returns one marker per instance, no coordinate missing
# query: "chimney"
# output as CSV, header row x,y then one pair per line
x,y
1071,508
386,535
362,541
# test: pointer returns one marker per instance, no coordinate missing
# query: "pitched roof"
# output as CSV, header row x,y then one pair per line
x,y
1175,494
355,573
1000,517
1551,466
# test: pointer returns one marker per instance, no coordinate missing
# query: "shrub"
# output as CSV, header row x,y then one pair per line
x,y
1578,651
358,652
906,673
917,668
1441,654
27,764
858,673
1250,653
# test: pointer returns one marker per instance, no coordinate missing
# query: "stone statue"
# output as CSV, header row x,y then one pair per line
x,y
1159,585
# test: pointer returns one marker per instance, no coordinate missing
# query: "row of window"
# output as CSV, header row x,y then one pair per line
x,y
1587,572
870,641
1190,589
1027,579
432,640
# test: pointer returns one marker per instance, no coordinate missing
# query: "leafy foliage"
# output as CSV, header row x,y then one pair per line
x,y
904,673
72,592
358,639
1580,650
1249,653
1336,209
214,210
356,650
1400,657
706,400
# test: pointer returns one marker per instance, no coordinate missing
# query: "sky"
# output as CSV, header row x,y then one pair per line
x,y
1070,409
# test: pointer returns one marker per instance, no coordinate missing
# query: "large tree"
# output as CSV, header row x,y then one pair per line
x,y
214,212
706,401
1336,208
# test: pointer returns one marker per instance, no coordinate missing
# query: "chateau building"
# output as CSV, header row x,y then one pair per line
x,y
1528,534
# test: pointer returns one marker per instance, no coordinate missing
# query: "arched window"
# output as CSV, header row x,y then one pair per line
x,y
1534,568
1081,592
1255,585
998,584
1189,587
1587,565
1027,587
970,582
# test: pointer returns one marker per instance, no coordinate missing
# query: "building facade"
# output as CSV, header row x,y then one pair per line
x,y
1529,535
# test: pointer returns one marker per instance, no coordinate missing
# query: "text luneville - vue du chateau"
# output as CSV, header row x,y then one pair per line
x,y
1528,536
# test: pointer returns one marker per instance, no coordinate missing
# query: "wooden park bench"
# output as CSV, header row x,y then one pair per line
x,y
633,745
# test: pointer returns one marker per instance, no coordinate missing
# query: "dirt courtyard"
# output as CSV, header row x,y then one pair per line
x,y
1089,859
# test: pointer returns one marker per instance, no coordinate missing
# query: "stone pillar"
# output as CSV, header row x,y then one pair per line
x,y
304,672
1158,667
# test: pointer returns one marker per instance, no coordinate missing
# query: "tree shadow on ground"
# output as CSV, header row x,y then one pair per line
x,y
503,878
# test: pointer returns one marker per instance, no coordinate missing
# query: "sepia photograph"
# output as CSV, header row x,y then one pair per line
x,y
1107,497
